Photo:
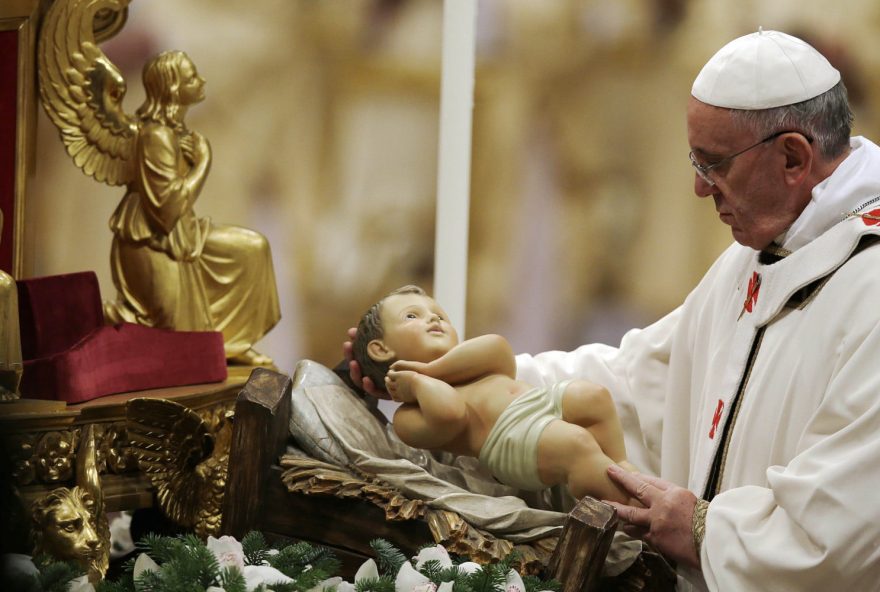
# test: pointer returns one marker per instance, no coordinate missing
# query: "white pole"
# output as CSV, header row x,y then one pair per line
x,y
454,160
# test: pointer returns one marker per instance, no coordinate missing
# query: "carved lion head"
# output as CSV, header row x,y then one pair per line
x,y
65,527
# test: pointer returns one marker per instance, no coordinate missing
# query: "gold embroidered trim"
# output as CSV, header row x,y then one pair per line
x,y
727,433
776,250
698,524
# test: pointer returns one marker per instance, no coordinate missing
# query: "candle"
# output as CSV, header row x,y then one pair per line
x,y
454,159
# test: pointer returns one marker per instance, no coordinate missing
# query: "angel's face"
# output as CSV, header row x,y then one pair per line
x,y
192,86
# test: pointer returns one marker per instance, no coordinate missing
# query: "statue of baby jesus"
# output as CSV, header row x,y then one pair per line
x,y
464,398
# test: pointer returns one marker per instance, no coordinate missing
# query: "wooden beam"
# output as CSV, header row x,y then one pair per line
x,y
259,436
583,545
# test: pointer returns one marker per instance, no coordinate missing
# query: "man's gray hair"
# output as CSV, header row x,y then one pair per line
x,y
826,118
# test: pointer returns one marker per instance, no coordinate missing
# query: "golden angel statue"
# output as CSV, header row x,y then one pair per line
x,y
171,268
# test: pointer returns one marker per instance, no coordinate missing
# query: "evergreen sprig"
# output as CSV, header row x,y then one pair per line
x,y
232,580
256,551
384,583
491,578
124,583
388,557
51,576
187,565
535,584
302,559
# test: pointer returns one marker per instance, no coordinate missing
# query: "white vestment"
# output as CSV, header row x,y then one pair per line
x,y
796,507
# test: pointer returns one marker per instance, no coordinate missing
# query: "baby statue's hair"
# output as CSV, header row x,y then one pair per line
x,y
370,328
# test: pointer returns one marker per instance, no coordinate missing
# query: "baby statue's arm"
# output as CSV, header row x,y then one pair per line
x,y
473,359
433,413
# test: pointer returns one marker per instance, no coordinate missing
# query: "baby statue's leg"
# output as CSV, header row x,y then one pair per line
x,y
569,454
590,406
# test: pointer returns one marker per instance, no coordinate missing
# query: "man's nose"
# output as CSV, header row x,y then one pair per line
x,y
702,187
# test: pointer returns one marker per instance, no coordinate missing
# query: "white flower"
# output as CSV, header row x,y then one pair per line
x,y
143,563
214,589
367,570
80,584
17,564
328,584
445,587
409,580
514,582
120,535
469,567
435,553
227,551
254,575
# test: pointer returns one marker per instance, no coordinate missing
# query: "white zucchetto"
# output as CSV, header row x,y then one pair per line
x,y
764,70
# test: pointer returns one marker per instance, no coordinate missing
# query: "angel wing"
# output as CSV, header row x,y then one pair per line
x,y
82,91
186,463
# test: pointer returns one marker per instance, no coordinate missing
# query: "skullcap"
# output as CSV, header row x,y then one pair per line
x,y
764,70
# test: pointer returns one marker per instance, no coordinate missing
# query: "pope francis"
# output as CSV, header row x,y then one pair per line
x,y
754,407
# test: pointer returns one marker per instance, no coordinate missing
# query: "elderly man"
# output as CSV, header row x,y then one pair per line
x,y
757,401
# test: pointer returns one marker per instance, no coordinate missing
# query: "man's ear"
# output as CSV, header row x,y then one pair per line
x,y
378,351
798,158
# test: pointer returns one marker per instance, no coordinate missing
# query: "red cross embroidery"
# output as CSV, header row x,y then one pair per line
x,y
752,295
716,418
871,218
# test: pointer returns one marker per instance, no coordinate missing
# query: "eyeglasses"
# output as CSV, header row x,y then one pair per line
x,y
704,169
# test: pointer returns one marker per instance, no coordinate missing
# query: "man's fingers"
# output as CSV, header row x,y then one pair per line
x,y
656,481
634,483
352,332
370,388
638,517
636,532
354,370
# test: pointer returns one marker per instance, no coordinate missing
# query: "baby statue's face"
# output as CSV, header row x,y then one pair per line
x,y
416,328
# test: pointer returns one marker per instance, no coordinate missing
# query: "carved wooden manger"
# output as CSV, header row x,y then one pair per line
x,y
279,490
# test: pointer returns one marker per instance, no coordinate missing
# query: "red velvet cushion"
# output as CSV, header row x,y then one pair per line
x,y
123,358
57,311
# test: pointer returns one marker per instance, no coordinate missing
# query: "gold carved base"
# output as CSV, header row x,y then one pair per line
x,y
42,443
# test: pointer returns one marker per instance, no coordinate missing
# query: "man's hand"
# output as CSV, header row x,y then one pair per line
x,y
666,521
354,369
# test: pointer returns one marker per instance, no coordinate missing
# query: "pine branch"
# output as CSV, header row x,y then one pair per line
x,y
432,570
256,551
384,583
389,557
456,576
125,583
512,560
490,578
301,558
159,548
56,575
149,581
536,584
231,580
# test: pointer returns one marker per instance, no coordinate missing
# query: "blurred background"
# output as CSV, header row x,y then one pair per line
x,y
323,119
